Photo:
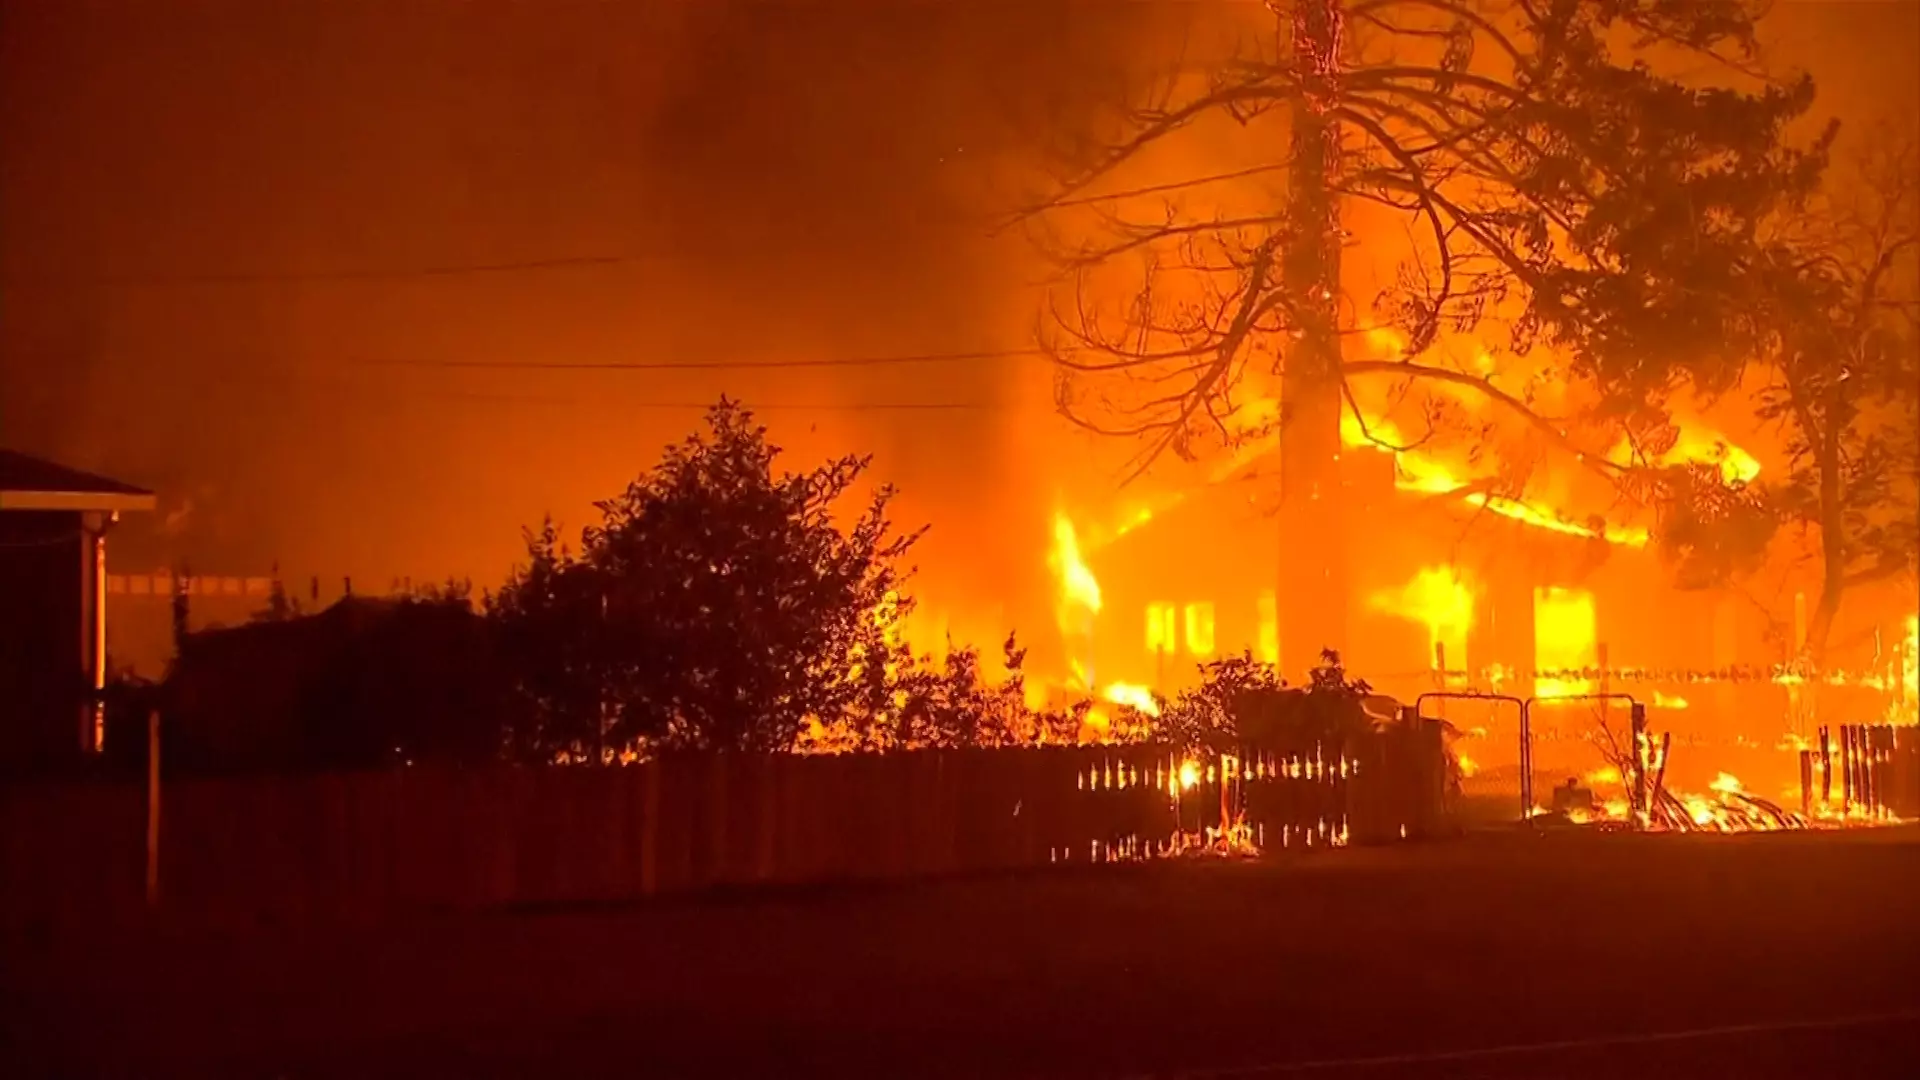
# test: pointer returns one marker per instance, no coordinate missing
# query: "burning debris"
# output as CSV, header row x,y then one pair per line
x,y
1878,772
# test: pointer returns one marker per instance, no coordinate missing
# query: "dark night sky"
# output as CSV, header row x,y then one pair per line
x,y
780,181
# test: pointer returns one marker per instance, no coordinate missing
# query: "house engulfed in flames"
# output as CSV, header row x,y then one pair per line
x,y
1457,589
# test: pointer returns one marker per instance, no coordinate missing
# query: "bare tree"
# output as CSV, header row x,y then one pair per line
x,y
1843,384
1553,180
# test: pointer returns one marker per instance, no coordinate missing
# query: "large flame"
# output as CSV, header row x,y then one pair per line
x,y
1424,473
1907,709
1697,444
1439,600
1134,696
1078,601
1563,639
1079,589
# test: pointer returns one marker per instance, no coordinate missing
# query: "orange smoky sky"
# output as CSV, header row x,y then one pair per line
x,y
246,253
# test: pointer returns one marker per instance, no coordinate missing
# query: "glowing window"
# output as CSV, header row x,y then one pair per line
x,y
1200,629
1563,640
1163,629
1269,628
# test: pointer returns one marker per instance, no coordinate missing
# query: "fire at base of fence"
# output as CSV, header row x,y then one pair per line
x,y
1388,787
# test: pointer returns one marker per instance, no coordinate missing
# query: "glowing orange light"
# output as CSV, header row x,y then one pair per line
x,y
1163,628
1078,587
1189,773
1138,698
1697,444
1438,599
1200,629
1907,709
1269,628
1563,639
1418,472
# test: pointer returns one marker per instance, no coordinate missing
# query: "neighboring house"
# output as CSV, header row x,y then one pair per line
x,y
54,523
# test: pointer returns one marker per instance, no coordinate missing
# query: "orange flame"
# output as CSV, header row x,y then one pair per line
x,y
1907,709
1698,444
1134,696
1418,472
1563,639
1437,598
1079,589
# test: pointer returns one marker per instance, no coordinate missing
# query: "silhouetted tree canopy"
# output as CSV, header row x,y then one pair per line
x,y
910,702
718,603
365,683
1559,186
1836,372
1242,701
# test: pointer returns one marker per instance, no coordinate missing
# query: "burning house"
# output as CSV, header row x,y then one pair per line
x,y
1457,588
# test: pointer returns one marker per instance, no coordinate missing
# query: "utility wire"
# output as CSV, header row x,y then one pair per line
x,y
719,365
298,277
1161,189
297,383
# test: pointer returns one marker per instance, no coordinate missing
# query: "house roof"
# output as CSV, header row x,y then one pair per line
x,y
31,483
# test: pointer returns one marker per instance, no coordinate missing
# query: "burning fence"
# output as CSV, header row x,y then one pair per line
x,y
1391,785
1869,775
432,838
1871,772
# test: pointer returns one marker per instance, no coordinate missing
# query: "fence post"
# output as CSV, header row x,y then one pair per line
x,y
1826,769
1642,811
650,826
153,808
767,778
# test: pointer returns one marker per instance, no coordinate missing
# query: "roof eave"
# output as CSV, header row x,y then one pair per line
x,y
78,501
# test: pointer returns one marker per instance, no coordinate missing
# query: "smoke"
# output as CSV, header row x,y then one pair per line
x,y
224,226
220,218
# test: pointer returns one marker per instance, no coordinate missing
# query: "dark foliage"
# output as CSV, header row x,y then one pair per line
x,y
1244,702
1558,182
1709,531
365,683
717,605
911,702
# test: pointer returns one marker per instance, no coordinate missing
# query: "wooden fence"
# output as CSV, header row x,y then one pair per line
x,y
344,846
1870,771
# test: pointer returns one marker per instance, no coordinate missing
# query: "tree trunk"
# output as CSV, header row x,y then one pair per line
x,y
1833,546
1833,525
1313,578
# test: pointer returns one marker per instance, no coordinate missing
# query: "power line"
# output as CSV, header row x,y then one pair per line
x,y
296,384
720,365
851,406
748,404
298,277
1161,189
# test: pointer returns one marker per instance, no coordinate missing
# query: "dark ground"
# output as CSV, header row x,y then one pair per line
x,y
1747,957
